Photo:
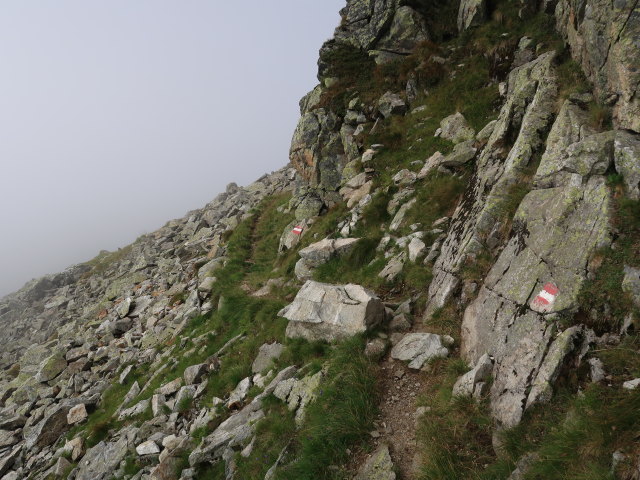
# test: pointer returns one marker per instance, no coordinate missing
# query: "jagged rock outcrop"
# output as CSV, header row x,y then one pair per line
x,y
556,229
316,149
384,25
517,135
323,142
605,39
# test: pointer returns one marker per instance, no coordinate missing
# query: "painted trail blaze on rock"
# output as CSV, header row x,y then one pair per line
x,y
297,230
543,303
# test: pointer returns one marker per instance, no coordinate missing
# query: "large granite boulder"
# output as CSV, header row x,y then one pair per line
x,y
331,312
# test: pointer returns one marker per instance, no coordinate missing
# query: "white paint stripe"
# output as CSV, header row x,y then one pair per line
x,y
547,296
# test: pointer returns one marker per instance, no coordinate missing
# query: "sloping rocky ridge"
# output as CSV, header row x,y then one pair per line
x,y
71,335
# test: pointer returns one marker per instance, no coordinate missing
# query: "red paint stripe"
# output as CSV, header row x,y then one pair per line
x,y
551,288
542,300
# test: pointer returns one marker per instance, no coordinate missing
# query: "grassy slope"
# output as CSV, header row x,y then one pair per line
x,y
455,436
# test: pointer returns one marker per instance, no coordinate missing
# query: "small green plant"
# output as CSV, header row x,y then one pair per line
x,y
185,404
615,180
131,466
600,116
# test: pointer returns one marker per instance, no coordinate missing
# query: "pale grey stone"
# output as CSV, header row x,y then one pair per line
x,y
331,312
267,353
465,385
378,466
455,128
471,14
148,448
420,348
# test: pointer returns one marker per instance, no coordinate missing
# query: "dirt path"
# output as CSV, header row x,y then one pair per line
x,y
396,420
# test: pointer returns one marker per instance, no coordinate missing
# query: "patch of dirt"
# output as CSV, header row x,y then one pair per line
x,y
397,419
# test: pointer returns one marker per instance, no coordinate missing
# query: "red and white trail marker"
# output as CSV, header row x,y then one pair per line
x,y
543,303
297,230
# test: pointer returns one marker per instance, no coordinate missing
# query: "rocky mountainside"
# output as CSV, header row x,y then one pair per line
x,y
443,284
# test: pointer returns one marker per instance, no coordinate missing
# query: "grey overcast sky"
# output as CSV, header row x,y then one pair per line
x,y
118,115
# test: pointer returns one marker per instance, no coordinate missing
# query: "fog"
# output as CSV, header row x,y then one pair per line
x,y
116,116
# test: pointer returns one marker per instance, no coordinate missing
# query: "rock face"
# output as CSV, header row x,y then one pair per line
x,y
126,317
605,39
528,109
556,230
382,25
330,312
471,13
316,149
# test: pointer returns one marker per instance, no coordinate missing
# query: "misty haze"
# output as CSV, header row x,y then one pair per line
x,y
119,116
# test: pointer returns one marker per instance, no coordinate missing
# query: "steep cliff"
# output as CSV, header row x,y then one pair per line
x,y
444,284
